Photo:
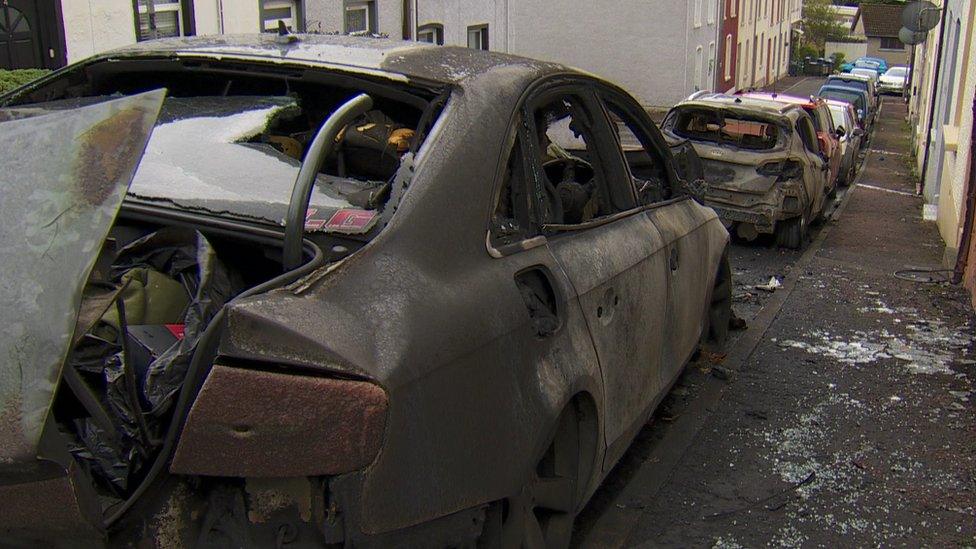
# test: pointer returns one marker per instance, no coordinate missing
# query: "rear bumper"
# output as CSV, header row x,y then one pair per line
x,y
761,211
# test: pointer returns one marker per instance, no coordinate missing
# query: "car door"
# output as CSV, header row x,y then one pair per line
x,y
609,250
680,221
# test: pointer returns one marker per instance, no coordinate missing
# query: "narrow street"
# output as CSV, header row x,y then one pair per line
x,y
841,416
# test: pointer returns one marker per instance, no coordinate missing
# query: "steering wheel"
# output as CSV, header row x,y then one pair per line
x,y
568,169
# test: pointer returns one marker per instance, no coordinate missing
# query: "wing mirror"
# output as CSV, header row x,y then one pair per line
x,y
841,131
858,131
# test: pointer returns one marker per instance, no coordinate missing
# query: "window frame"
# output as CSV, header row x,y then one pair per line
x,y
698,14
727,70
368,6
184,16
483,36
597,134
435,29
297,15
805,137
899,46
647,133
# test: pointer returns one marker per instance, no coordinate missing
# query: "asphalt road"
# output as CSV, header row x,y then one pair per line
x,y
753,264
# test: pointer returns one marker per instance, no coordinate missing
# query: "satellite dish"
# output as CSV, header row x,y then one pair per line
x,y
920,16
910,38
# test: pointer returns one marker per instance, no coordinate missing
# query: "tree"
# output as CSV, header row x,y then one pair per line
x,y
820,24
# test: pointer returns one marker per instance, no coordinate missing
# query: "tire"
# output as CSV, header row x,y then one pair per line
x,y
541,514
790,232
716,331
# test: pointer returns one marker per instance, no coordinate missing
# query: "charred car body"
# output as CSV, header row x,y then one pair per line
x,y
763,167
312,290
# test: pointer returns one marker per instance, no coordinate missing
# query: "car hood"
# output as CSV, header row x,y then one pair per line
x,y
64,176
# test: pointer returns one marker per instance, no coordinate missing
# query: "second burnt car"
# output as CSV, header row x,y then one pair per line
x,y
763,168
308,290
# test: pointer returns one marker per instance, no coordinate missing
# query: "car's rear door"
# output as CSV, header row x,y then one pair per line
x,y
611,252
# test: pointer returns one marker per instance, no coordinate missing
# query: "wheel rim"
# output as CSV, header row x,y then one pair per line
x,y
542,513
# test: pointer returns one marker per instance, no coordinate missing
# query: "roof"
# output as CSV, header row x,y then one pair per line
x,y
804,102
738,101
880,20
392,59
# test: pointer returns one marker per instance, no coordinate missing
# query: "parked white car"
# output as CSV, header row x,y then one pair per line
x,y
893,81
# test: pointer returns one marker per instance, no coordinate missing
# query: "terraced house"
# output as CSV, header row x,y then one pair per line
x,y
52,33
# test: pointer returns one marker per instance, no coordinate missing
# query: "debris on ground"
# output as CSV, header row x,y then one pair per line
x,y
770,286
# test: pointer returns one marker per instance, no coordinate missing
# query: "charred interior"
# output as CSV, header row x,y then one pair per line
x,y
203,221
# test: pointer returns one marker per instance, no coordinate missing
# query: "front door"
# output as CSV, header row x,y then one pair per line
x,y
20,35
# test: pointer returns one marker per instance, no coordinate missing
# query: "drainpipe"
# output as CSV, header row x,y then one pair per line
x,y
962,258
220,16
405,26
920,186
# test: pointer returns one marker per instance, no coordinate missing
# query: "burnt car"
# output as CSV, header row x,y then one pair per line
x,y
310,290
823,123
763,168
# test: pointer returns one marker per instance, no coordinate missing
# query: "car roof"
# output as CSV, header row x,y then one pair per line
x,y
839,104
392,59
828,87
849,76
739,101
805,102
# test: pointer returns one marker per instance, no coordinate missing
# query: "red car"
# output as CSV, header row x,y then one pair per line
x,y
827,135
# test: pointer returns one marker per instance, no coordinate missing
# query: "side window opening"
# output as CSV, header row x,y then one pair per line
x,y
511,220
807,134
645,164
572,188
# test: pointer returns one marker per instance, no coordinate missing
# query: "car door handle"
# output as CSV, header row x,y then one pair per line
x,y
673,260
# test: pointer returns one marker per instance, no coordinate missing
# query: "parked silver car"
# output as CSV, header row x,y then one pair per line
x,y
851,138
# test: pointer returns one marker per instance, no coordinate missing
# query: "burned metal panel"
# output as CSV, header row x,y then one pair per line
x,y
64,176
281,424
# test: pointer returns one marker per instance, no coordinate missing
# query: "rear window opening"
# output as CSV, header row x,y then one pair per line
x,y
726,128
231,138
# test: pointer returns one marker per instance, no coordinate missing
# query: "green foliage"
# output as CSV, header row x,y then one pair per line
x,y
839,58
16,78
819,25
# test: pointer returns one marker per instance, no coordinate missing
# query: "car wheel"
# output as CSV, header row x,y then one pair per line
x,y
541,514
720,309
789,232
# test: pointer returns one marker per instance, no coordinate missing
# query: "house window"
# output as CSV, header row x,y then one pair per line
x,y
698,10
733,7
891,44
728,57
158,19
710,79
478,37
711,7
360,17
432,33
273,11
698,68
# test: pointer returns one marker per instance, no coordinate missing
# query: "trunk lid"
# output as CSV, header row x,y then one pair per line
x,y
64,176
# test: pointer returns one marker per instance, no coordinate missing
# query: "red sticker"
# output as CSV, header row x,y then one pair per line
x,y
177,330
311,223
351,221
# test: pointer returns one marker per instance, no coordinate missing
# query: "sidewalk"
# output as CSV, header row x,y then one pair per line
x,y
852,423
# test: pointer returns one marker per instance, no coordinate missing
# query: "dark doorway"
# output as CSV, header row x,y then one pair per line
x,y
30,34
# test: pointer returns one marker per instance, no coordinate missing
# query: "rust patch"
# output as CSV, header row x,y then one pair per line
x,y
268,496
106,152
248,423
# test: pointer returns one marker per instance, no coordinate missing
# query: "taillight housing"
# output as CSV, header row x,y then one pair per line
x,y
783,170
260,423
